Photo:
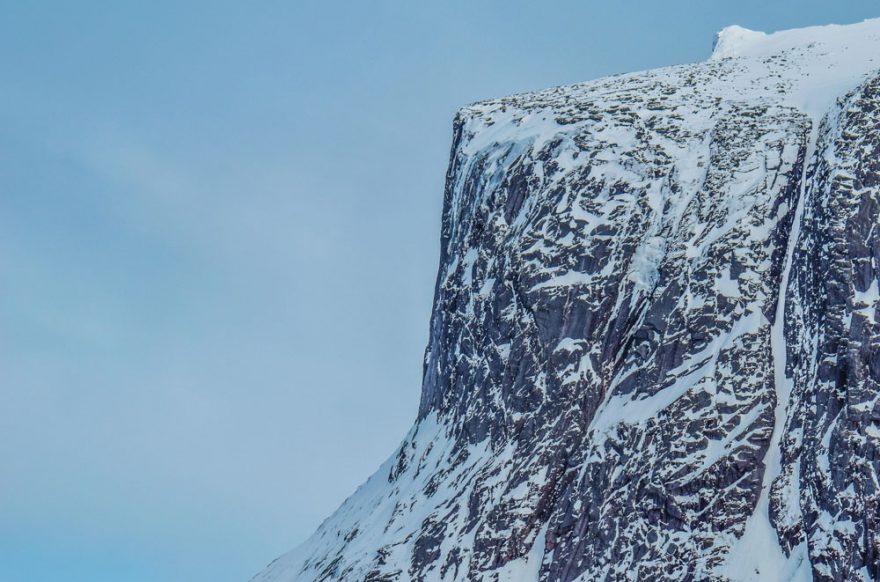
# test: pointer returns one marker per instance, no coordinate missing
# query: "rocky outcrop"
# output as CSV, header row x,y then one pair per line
x,y
653,349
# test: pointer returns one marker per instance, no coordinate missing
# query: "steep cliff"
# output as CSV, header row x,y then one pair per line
x,y
653,352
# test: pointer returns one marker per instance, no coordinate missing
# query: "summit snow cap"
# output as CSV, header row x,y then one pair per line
x,y
730,41
814,66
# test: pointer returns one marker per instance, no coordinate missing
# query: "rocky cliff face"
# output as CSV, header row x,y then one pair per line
x,y
654,350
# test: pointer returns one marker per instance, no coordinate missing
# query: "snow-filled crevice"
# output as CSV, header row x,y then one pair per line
x,y
757,555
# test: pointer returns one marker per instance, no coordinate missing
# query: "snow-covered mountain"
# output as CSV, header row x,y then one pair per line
x,y
654,351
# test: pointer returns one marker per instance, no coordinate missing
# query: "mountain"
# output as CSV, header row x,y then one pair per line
x,y
654,350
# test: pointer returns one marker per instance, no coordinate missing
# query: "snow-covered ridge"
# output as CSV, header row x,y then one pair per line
x,y
826,61
734,40
628,269
808,68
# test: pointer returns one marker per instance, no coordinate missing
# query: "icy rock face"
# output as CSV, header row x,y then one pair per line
x,y
831,450
654,350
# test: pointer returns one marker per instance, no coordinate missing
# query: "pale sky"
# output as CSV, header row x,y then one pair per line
x,y
219,232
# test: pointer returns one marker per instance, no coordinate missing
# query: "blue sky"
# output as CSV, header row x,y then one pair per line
x,y
219,228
